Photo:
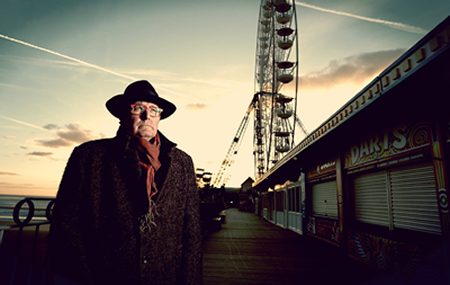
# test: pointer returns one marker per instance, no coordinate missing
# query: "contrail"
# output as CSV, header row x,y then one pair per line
x,y
66,57
88,64
24,123
399,26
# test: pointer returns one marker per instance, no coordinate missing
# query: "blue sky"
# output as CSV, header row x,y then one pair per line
x,y
61,60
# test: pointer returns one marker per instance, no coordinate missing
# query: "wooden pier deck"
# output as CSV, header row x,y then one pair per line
x,y
251,250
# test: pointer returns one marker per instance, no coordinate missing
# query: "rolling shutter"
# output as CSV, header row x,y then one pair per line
x,y
398,198
371,200
414,201
324,199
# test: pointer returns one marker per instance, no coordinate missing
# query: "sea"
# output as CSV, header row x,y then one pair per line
x,y
9,202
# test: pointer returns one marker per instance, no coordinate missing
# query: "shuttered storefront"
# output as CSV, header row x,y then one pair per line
x,y
325,199
402,197
414,201
371,199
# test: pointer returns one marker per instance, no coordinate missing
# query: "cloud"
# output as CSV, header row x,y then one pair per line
x,y
355,69
50,127
67,136
9,137
9,173
74,133
395,25
197,106
40,154
54,143
43,154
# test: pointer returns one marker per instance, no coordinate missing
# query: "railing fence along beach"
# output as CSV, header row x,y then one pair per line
x,y
23,239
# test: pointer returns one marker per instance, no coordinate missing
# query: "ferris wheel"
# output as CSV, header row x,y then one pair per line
x,y
274,104
276,83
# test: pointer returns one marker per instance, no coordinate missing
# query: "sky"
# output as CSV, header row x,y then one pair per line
x,y
60,61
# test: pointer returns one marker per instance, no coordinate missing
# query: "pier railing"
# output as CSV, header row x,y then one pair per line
x,y
24,239
23,243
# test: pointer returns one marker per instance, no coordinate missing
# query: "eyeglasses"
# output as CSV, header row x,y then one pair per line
x,y
138,109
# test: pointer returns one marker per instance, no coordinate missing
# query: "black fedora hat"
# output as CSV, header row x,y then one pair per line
x,y
141,90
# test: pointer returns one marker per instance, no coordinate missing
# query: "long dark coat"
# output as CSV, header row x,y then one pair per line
x,y
95,235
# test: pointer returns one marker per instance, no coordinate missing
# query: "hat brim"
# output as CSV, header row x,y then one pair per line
x,y
118,105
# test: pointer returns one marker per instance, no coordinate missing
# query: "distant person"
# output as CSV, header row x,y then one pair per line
x,y
127,209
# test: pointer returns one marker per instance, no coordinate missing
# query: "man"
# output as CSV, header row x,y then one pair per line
x,y
127,210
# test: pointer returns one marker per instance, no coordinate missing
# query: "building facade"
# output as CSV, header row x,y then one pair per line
x,y
373,179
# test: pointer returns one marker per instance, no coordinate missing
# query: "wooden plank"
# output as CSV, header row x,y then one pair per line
x,y
250,250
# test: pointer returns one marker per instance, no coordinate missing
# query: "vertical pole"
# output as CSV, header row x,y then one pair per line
x,y
33,253
340,190
303,202
294,12
441,174
16,256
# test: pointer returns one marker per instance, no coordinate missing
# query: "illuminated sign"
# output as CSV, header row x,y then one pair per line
x,y
398,139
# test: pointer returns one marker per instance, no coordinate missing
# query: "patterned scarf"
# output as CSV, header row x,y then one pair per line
x,y
151,152
149,159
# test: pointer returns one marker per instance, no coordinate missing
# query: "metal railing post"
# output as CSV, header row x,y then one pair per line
x,y
21,222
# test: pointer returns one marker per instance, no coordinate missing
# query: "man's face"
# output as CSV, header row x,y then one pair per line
x,y
144,125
